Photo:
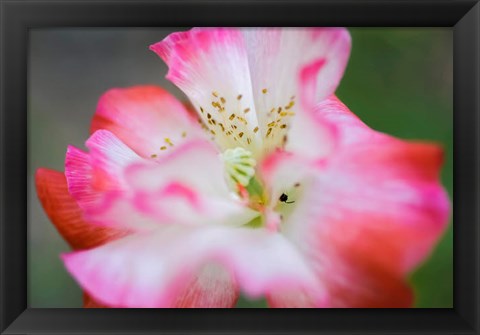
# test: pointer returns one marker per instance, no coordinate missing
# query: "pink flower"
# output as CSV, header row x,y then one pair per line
x,y
284,193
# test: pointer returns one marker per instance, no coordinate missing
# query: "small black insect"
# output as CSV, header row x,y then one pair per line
x,y
284,198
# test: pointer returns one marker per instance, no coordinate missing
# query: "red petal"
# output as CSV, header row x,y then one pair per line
x,y
89,302
65,214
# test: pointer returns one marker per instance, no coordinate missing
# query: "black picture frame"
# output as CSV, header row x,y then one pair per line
x,y
18,16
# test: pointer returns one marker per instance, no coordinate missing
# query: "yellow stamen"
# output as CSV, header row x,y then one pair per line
x,y
168,141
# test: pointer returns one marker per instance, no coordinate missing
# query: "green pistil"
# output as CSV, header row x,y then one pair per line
x,y
255,223
254,188
240,165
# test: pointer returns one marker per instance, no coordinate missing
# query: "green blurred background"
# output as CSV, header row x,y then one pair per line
x,y
398,80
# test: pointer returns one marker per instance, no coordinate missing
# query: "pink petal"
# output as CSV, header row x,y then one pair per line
x,y
282,171
254,70
195,163
277,56
395,183
349,128
210,66
311,137
370,214
65,214
202,57
213,287
195,173
91,174
150,270
118,210
188,186
356,285
143,117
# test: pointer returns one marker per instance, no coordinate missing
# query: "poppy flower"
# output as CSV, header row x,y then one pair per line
x,y
273,189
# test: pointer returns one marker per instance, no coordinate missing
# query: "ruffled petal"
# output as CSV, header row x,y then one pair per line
x,y
349,128
146,118
211,66
244,82
366,218
305,66
196,163
393,183
311,137
101,170
187,186
150,270
278,58
65,214
212,287
357,285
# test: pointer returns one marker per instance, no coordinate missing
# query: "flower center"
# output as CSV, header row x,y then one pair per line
x,y
240,169
241,175
236,121
239,165
246,127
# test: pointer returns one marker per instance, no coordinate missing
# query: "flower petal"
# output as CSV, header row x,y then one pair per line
x,y
213,287
196,163
369,215
395,186
311,137
188,186
251,74
65,214
210,66
149,270
354,285
349,128
210,288
143,117
91,174
277,56
283,171
89,302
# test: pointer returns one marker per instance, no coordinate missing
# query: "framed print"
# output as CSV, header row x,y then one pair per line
x,y
303,156
393,62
